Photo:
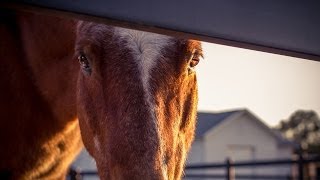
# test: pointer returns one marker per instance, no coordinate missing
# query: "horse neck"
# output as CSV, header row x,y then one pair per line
x,y
37,108
48,45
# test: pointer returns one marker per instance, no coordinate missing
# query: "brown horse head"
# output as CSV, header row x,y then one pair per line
x,y
137,99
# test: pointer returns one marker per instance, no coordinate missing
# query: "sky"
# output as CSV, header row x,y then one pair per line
x,y
271,86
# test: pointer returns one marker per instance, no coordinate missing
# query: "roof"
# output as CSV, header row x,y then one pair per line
x,y
285,24
207,121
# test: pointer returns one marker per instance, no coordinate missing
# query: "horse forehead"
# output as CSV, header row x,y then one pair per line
x,y
144,45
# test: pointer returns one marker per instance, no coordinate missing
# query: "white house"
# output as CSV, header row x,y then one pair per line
x,y
240,136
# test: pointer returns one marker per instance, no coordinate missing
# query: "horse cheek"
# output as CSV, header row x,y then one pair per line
x,y
191,108
83,116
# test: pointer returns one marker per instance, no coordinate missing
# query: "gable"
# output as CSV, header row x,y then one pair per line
x,y
208,123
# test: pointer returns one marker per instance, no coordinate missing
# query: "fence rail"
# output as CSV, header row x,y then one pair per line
x,y
276,162
222,176
230,167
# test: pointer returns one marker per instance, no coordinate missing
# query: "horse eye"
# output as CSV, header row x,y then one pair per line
x,y
194,62
84,62
195,59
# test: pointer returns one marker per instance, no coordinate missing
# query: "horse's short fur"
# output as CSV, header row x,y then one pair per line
x,y
135,95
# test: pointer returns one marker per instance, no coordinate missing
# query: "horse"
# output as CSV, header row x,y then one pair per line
x,y
130,97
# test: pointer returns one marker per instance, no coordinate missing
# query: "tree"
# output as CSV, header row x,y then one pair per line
x,y
302,127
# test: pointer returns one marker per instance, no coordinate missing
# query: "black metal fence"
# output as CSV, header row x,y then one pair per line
x,y
229,168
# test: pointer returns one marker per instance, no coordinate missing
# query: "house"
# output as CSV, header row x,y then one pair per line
x,y
240,136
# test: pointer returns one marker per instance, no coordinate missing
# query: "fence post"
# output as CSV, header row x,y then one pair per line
x,y
300,166
229,170
74,174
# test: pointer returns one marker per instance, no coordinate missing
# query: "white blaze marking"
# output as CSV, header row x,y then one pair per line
x,y
146,48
